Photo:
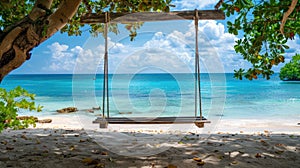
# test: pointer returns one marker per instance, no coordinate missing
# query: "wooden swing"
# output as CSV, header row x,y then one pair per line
x,y
153,16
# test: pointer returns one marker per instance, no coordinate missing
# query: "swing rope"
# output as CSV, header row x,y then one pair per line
x,y
198,101
105,69
197,69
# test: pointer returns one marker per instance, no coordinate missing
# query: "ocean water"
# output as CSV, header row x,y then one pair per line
x,y
163,95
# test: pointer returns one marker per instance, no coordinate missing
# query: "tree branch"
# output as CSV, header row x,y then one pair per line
x,y
287,14
40,8
61,16
218,4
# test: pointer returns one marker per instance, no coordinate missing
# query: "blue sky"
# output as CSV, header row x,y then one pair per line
x,y
159,47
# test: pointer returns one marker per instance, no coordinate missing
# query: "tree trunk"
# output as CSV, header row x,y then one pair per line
x,y
18,40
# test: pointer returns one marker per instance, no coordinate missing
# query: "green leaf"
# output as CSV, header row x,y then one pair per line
x,y
11,102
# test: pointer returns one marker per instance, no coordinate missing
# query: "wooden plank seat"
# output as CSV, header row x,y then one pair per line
x,y
158,120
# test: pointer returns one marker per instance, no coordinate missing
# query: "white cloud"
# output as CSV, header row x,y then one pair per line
x,y
194,4
172,51
78,59
175,51
62,59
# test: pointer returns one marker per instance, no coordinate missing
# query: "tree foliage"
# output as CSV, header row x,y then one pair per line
x,y
291,70
10,103
26,24
258,24
14,10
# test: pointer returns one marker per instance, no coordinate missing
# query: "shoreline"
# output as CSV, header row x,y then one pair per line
x,y
250,126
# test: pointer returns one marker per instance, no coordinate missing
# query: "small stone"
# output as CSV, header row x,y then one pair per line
x,y
9,148
100,165
4,142
24,137
95,152
67,110
279,152
201,163
58,153
197,159
45,121
258,155
195,153
104,153
234,162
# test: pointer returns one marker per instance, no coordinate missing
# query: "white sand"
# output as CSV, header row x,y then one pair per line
x,y
70,141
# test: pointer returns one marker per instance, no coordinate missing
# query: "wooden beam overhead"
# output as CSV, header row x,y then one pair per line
x,y
152,16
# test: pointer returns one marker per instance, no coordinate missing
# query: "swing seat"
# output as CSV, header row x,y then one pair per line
x,y
158,120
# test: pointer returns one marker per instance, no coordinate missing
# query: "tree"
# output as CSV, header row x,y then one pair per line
x,y
26,24
10,103
265,27
291,70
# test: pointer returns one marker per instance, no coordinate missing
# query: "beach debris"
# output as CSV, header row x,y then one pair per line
x,y
67,110
90,110
9,148
192,133
201,163
4,142
27,118
180,142
171,166
24,137
104,153
125,112
72,147
279,152
96,162
95,151
258,155
234,162
45,121
209,143
264,142
96,108
197,159
100,165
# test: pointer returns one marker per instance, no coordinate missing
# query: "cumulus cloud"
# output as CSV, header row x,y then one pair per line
x,y
172,51
62,59
79,59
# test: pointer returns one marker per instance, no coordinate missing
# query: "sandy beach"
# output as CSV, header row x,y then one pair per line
x,y
76,142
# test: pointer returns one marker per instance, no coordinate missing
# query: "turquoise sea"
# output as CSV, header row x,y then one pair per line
x,y
163,94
